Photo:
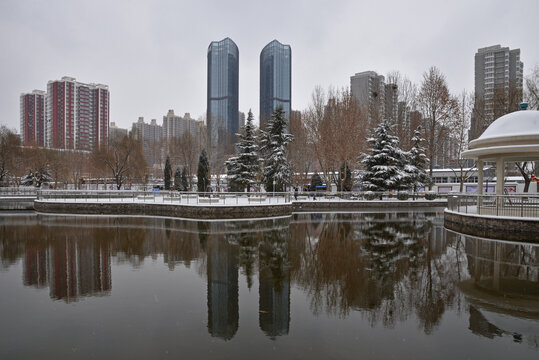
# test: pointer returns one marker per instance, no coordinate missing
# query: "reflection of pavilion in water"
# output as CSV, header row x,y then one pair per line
x,y
504,281
70,268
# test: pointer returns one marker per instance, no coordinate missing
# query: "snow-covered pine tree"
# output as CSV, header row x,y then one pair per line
x,y
417,163
185,185
243,168
168,173
384,167
274,143
178,180
203,172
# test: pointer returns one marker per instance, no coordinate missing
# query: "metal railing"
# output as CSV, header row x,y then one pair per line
x,y
165,196
495,205
224,198
17,191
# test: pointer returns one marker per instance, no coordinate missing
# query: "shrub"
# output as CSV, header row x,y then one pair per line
x,y
369,195
403,195
431,195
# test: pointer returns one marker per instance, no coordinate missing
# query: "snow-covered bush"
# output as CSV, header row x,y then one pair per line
x,y
369,195
403,195
431,195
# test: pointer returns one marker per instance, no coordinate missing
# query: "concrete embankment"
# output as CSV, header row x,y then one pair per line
x,y
172,210
493,227
17,203
225,212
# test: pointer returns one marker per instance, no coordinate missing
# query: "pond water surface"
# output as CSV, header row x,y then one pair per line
x,y
310,286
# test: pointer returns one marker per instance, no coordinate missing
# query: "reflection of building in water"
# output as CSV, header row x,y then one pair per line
x,y
274,285
71,269
503,289
222,270
35,267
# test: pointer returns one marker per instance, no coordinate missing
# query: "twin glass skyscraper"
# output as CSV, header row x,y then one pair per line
x,y
223,93
275,80
223,88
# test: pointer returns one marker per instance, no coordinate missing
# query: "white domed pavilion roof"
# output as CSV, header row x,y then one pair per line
x,y
518,123
512,136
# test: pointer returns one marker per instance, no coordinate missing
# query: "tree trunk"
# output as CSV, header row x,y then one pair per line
x,y
527,182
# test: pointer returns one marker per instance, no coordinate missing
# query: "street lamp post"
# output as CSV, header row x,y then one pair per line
x,y
274,188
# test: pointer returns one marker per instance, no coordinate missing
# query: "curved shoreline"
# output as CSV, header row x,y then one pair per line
x,y
206,212
493,227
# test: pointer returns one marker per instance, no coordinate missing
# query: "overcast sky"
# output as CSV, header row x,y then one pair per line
x,y
152,54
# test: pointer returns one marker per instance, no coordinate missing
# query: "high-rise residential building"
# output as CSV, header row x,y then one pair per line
x,y
174,126
275,80
369,89
151,137
33,118
77,114
391,97
498,85
116,133
241,119
403,128
223,94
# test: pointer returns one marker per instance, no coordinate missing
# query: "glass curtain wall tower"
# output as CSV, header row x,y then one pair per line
x,y
275,80
223,93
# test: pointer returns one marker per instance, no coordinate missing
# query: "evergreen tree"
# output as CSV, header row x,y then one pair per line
x,y
203,172
274,143
417,163
345,178
384,167
243,168
178,180
185,184
168,173
316,180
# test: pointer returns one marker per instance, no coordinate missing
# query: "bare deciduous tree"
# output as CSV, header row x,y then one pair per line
x,y
459,134
9,151
123,158
438,108
531,93
336,128
301,152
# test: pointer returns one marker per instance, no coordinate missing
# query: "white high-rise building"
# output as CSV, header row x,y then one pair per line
x,y
498,85
369,89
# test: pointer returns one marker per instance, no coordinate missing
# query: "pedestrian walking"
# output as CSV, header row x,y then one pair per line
x,y
296,193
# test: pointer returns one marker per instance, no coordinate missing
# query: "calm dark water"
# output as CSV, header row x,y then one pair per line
x,y
313,286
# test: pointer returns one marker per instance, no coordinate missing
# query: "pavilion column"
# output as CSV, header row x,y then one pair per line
x,y
500,176
480,176
480,167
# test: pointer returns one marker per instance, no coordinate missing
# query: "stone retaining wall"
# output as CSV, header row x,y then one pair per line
x,y
15,203
493,227
182,211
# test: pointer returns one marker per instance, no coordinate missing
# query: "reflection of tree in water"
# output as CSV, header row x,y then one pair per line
x,y
274,283
240,233
386,265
